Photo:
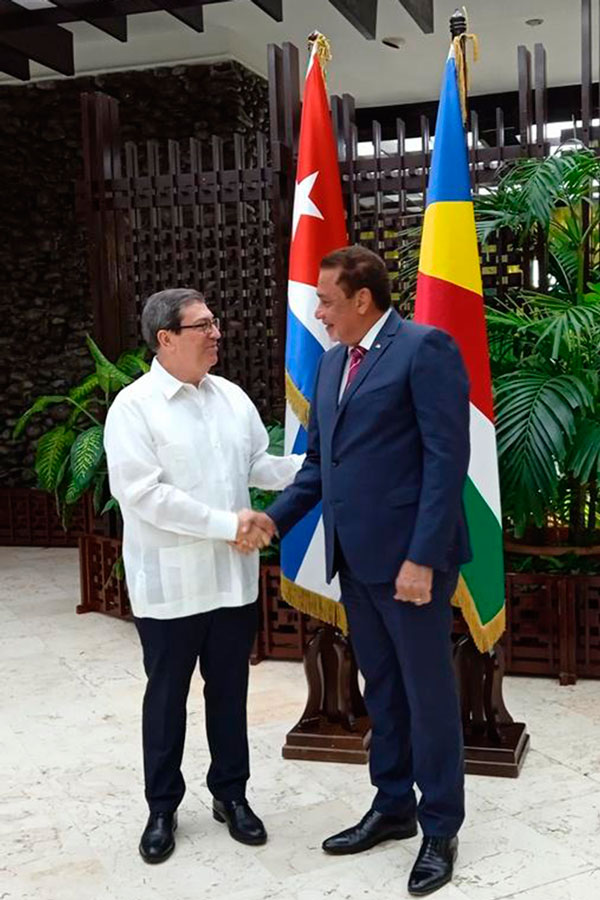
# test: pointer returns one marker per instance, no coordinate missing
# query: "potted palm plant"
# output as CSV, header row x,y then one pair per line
x,y
544,347
544,340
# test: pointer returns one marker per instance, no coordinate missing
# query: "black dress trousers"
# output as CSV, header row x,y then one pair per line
x,y
405,655
221,641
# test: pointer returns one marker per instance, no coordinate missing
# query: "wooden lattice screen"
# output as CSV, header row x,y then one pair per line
x,y
182,215
217,215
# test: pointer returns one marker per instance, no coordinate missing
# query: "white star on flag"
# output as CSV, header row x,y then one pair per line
x,y
303,205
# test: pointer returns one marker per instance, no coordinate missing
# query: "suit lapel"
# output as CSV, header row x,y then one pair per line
x,y
334,377
380,345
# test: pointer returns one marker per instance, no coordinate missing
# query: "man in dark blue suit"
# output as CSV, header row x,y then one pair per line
x,y
388,452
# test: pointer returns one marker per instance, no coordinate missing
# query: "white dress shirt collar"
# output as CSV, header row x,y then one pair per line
x,y
167,382
369,339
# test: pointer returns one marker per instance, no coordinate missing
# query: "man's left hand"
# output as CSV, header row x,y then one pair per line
x,y
413,584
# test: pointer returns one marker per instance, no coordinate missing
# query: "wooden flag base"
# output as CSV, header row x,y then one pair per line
x,y
494,743
334,726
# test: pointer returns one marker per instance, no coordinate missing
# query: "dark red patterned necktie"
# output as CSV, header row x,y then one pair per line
x,y
357,354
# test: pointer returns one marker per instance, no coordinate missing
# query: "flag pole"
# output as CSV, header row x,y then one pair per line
x,y
494,743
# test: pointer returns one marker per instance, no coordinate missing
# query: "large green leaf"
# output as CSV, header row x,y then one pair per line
x,y
584,459
110,504
73,493
276,434
84,390
132,362
40,404
52,449
109,376
537,415
86,454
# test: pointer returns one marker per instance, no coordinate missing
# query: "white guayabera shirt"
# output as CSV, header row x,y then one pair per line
x,y
180,461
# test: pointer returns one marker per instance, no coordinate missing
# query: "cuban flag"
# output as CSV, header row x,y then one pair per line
x,y
318,227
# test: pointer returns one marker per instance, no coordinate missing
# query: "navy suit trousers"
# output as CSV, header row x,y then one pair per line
x,y
220,641
404,653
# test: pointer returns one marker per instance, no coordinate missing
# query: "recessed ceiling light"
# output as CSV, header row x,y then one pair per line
x,y
392,41
533,23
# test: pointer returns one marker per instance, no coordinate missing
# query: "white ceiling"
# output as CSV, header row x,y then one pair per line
x,y
373,73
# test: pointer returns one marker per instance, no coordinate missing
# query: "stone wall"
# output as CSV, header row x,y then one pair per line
x,y
44,293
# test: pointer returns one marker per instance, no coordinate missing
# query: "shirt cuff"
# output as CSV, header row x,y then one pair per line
x,y
222,525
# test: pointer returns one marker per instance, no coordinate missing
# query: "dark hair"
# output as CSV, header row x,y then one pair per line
x,y
163,310
361,268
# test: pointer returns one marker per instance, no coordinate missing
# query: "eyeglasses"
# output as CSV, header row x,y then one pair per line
x,y
204,326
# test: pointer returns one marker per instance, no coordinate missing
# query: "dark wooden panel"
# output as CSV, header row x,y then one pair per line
x,y
115,26
84,10
422,12
14,63
360,13
48,45
192,17
586,69
273,8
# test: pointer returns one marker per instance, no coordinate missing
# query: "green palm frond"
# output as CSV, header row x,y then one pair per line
x,y
584,459
537,415
560,321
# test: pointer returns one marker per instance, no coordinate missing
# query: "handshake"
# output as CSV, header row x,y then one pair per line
x,y
255,531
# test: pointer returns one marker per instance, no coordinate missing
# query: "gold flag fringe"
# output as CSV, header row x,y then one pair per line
x,y
485,636
298,402
322,47
333,612
324,608
460,55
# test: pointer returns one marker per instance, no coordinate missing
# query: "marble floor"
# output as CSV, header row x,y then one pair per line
x,y
71,805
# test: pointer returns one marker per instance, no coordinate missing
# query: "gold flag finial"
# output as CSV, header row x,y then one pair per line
x,y
459,29
322,47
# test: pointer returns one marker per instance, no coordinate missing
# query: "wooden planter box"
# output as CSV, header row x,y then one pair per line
x,y
101,590
553,621
540,633
28,518
283,632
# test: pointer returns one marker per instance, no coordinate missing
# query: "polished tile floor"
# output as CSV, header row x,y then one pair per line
x,y
71,804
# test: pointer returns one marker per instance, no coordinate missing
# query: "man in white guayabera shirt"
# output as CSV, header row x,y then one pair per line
x,y
183,446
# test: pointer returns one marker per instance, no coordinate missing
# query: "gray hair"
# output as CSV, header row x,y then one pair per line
x,y
163,310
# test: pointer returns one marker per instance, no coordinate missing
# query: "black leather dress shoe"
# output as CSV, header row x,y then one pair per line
x,y
243,824
158,839
434,865
371,830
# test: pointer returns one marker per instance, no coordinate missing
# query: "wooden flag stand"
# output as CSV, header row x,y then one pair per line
x,y
335,727
494,743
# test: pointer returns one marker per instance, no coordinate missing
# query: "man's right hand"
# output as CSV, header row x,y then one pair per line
x,y
255,530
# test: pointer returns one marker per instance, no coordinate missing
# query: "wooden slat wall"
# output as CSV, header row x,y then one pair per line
x,y
217,214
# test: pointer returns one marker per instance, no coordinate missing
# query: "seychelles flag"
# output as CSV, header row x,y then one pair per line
x,y
318,227
450,296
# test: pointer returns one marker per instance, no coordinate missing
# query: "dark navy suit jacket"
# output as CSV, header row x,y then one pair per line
x,y
390,460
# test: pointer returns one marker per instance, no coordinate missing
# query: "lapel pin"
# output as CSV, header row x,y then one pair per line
x,y
377,346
